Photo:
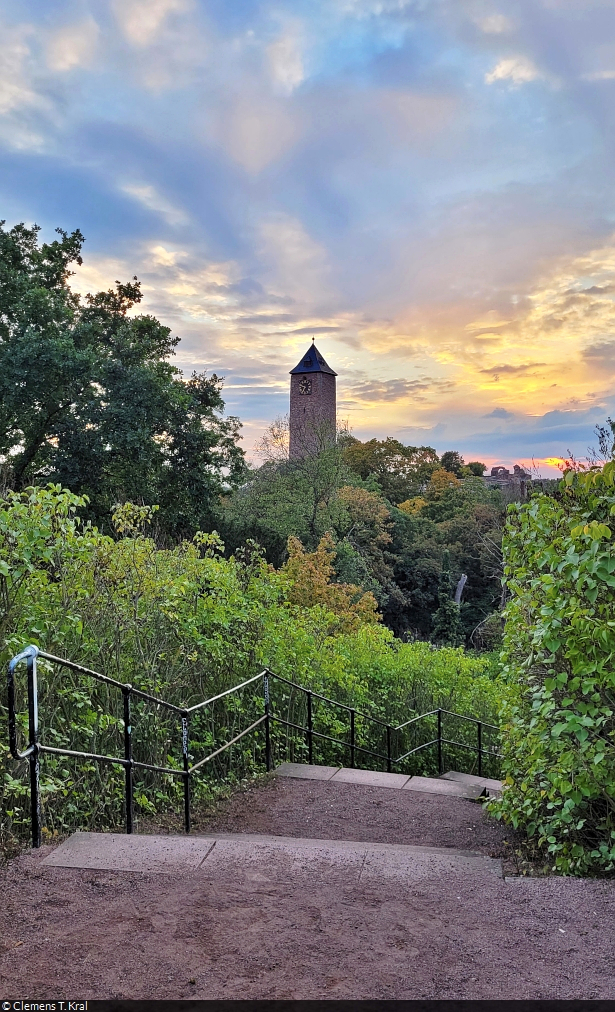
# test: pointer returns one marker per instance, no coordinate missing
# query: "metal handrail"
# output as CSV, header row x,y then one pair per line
x,y
333,702
474,720
231,742
419,717
227,692
327,737
35,748
109,681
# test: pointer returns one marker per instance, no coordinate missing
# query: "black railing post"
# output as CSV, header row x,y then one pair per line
x,y
352,716
310,728
480,748
34,757
388,748
440,766
186,777
268,764
128,758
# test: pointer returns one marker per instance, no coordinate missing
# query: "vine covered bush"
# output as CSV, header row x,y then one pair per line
x,y
559,662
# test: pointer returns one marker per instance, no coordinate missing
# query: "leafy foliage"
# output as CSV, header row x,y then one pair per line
x,y
88,398
463,519
400,470
395,553
185,623
311,584
447,628
558,655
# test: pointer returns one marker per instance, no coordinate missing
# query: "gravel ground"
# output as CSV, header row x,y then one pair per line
x,y
336,811
309,931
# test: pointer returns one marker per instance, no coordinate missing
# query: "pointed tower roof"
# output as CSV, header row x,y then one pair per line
x,y
312,361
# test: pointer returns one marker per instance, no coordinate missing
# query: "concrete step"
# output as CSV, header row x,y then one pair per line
x,y
374,778
492,787
436,785
260,858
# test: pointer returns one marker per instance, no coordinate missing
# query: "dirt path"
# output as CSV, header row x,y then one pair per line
x,y
308,931
327,811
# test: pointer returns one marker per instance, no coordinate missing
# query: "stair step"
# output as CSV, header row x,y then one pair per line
x,y
266,858
448,785
492,787
303,771
370,778
452,788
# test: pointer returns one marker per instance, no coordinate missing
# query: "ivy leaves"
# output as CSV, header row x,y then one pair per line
x,y
558,659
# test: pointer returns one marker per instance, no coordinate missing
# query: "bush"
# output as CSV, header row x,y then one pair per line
x,y
559,645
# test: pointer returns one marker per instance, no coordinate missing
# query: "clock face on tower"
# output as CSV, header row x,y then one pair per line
x,y
305,386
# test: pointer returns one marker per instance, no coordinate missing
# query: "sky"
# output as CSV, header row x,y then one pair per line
x,y
426,186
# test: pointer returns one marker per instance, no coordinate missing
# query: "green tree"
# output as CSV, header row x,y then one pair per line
x,y
452,461
401,471
89,399
462,517
285,498
447,629
307,498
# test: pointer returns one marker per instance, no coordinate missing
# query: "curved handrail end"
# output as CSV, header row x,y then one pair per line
x,y
30,651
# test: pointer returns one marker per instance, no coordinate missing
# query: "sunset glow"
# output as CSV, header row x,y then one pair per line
x,y
425,187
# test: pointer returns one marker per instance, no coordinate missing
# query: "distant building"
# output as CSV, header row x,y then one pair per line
x,y
502,478
312,405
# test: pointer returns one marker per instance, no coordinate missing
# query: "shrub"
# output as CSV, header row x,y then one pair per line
x,y
559,647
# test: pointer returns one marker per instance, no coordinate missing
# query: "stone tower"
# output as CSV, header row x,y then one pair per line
x,y
312,405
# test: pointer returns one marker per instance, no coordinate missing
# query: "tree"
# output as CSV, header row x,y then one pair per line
x,y
452,461
458,520
310,497
361,519
447,629
401,471
311,575
606,443
89,399
286,497
440,481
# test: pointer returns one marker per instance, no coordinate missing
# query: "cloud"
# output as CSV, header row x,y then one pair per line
x,y
73,46
268,319
143,20
599,75
296,263
517,69
373,8
499,413
16,87
387,391
601,356
315,330
285,59
555,419
148,196
372,171
495,24
25,108
255,129
498,370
